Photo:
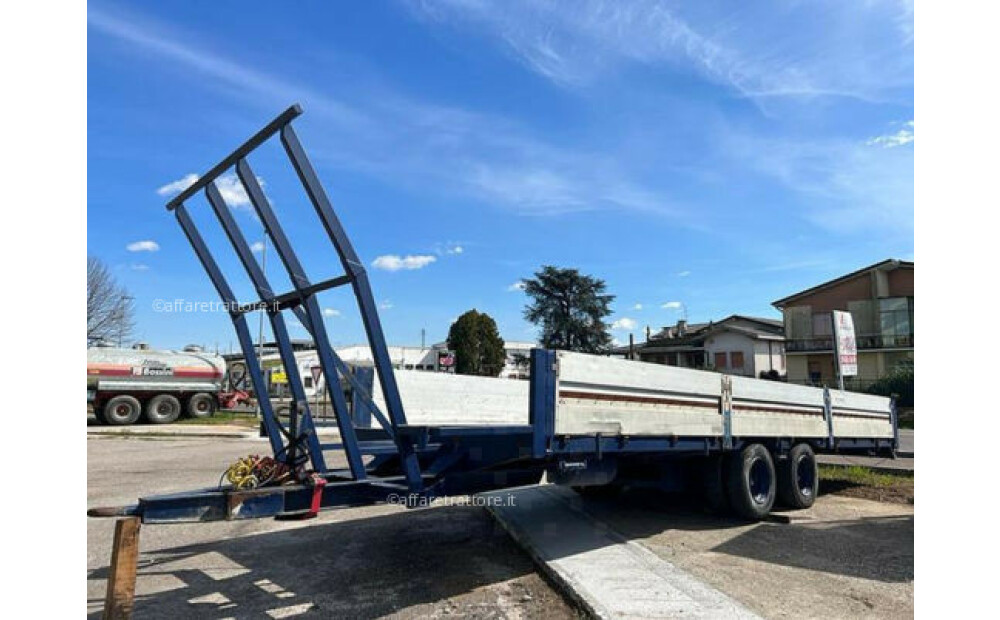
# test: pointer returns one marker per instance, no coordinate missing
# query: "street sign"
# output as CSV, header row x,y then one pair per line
x,y
446,359
847,346
317,372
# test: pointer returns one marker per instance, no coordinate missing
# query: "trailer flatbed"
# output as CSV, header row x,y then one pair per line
x,y
594,423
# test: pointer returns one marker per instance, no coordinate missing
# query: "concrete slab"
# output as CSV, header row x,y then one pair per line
x,y
610,576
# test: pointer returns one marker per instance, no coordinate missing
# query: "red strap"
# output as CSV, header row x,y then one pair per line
x,y
318,483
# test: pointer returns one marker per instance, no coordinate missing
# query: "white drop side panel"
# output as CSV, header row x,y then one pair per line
x,y
442,399
604,395
860,415
771,408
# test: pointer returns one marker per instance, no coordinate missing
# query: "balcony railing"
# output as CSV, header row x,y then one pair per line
x,y
865,342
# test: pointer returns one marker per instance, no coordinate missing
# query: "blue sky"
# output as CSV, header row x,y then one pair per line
x,y
702,158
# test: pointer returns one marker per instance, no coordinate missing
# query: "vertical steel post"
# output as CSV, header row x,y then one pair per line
x,y
359,406
828,414
542,400
726,403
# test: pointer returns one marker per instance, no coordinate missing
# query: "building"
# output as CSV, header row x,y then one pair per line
x,y
435,358
880,300
738,345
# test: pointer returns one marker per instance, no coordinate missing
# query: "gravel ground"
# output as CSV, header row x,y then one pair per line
x,y
360,562
843,558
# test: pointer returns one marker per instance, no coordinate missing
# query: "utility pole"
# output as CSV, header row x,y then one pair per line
x,y
121,318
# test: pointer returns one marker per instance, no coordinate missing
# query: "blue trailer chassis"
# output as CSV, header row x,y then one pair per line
x,y
405,464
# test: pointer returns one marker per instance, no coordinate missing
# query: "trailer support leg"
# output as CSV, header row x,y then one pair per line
x,y
120,597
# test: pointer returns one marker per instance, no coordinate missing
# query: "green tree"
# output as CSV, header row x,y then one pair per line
x,y
570,308
477,345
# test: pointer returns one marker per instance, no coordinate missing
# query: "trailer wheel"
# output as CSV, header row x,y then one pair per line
x,y
121,410
163,409
751,482
798,477
201,405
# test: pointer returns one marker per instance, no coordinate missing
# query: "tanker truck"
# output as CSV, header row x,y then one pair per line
x,y
159,386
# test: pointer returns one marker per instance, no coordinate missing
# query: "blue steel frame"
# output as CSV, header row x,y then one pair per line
x,y
300,436
408,462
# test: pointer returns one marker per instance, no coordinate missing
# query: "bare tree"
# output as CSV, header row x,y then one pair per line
x,y
110,309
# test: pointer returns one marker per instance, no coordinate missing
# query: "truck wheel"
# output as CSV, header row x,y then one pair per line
x,y
162,409
750,482
798,477
201,405
121,410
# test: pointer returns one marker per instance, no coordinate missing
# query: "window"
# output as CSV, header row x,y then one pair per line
x,y
308,381
797,322
822,324
737,359
894,318
720,360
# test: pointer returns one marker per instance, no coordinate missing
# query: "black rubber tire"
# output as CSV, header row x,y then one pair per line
x,y
711,483
751,483
163,409
798,477
201,405
122,410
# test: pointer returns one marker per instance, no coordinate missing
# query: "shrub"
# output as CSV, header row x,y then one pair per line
x,y
899,383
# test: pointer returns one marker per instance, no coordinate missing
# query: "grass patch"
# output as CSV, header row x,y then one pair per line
x,y
230,418
858,474
864,482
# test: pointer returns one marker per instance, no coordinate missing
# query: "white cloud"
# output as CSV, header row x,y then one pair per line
x,y
485,157
637,307
394,262
229,187
683,274
762,50
843,186
143,246
178,186
257,247
385,305
624,324
672,305
232,190
330,312
517,286
900,138
455,250
138,267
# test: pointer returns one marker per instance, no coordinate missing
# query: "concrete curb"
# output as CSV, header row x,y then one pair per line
x,y
607,575
172,432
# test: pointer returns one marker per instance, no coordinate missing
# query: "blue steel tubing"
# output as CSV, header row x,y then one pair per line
x,y
315,318
366,302
278,326
239,323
